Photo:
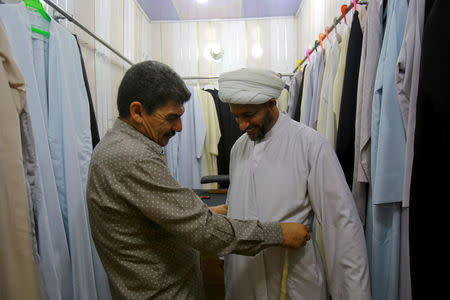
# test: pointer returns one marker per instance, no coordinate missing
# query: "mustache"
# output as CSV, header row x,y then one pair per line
x,y
249,127
170,134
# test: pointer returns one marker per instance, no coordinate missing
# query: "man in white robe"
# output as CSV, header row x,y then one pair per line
x,y
281,170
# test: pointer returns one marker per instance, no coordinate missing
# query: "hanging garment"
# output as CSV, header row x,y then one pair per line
x,y
299,100
370,53
345,139
71,147
230,132
317,90
387,163
94,127
294,159
320,114
294,93
184,150
282,101
431,163
52,240
333,119
305,90
326,101
407,73
210,146
17,267
308,101
53,65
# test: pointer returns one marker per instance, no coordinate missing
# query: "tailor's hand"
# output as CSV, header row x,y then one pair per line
x,y
295,235
219,209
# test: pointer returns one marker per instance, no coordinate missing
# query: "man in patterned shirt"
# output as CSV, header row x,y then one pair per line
x,y
149,230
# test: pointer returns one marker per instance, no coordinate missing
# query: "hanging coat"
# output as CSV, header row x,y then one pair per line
x,y
387,162
431,163
333,118
293,175
18,270
63,147
212,137
52,240
407,73
345,139
230,132
326,101
370,53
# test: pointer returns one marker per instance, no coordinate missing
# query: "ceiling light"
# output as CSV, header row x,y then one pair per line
x,y
202,1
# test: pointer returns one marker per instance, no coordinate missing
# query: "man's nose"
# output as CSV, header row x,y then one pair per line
x,y
178,126
243,125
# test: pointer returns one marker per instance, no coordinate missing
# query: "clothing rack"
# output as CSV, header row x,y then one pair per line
x,y
71,19
217,77
335,23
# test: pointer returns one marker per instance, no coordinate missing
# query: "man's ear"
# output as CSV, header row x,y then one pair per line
x,y
272,102
136,110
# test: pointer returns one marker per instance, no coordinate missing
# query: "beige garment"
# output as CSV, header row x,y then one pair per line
x,y
283,100
337,88
17,268
210,148
321,117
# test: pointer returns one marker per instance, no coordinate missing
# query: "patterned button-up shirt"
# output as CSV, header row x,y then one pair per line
x,y
148,229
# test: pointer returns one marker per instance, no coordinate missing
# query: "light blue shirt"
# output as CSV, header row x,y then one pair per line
x,y
387,163
61,130
184,150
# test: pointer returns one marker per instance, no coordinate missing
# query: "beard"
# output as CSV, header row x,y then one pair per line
x,y
263,128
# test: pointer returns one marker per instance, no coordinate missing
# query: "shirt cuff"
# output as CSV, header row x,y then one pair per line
x,y
272,233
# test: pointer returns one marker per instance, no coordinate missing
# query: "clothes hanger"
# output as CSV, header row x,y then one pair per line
x,y
36,5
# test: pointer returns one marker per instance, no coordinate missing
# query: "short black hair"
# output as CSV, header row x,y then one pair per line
x,y
153,84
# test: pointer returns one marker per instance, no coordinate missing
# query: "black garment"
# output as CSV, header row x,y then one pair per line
x,y
94,127
299,100
431,164
230,132
345,139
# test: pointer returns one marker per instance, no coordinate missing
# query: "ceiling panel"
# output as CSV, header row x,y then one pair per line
x,y
165,10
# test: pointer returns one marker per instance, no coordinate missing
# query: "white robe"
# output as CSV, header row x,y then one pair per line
x,y
293,175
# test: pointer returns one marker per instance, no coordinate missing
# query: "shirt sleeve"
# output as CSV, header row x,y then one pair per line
x,y
179,211
342,231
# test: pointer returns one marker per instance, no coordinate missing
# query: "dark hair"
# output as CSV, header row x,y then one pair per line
x,y
153,84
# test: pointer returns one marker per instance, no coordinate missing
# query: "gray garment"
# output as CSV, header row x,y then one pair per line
x,y
30,167
408,70
370,53
147,228
314,113
294,91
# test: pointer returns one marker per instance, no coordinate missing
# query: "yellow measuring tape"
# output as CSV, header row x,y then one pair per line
x,y
285,275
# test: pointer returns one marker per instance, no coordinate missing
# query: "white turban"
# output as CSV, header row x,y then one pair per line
x,y
247,86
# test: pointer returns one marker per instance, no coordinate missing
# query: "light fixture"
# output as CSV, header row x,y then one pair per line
x,y
213,52
257,51
202,1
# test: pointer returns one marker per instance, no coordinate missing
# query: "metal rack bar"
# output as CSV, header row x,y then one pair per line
x,y
71,19
338,20
217,77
